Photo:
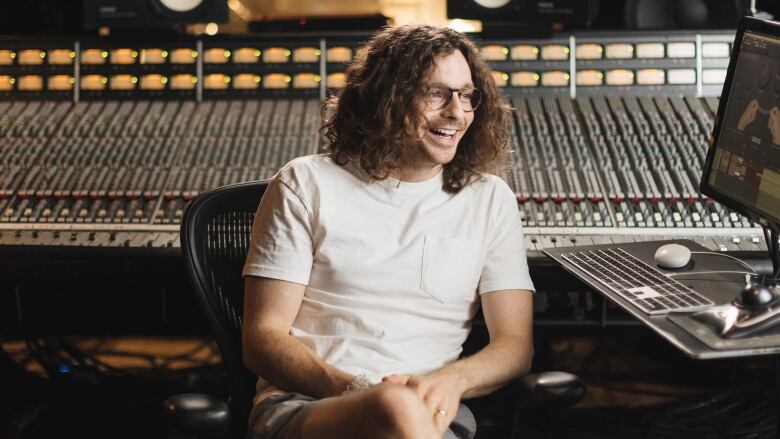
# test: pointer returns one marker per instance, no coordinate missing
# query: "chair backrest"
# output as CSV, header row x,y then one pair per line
x,y
215,234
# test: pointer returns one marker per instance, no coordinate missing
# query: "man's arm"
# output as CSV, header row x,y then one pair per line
x,y
509,318
270,307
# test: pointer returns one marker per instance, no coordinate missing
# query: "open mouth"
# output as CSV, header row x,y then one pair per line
x,y
444,133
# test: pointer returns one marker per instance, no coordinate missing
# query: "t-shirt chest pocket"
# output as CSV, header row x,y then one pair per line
x,y
450,268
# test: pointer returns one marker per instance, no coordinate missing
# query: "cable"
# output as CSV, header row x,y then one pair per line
x,y
744,264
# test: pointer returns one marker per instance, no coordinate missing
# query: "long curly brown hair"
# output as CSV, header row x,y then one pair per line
x,y
375,117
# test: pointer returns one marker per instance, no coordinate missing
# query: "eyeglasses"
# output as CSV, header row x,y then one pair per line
x,y
439,96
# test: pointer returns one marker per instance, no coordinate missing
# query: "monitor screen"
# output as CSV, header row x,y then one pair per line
x,y
743,165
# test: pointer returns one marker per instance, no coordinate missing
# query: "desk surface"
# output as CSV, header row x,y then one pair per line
x,y
720,288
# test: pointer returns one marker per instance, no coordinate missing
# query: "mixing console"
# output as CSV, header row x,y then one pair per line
x,y
103,144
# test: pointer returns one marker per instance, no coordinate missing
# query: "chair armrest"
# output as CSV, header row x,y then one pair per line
x,y
197,414
549,389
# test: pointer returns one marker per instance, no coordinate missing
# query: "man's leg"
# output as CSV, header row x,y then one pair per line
x,y
386,411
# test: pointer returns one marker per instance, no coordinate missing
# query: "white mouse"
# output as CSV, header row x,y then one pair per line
x,y
672,256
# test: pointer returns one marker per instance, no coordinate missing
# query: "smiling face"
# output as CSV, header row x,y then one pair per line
x,y
440,130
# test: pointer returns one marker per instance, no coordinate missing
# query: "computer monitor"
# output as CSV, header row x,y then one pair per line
x,y
742,169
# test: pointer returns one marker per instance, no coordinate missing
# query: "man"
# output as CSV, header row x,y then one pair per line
x,y
368,263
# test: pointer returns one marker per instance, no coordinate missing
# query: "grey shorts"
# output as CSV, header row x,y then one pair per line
x,y
282,416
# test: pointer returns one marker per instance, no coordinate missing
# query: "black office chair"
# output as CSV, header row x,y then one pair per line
x,y
215,234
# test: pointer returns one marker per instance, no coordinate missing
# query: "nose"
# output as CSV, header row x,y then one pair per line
x,y
455,108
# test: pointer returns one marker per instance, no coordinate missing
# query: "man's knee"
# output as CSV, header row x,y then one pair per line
x,y
397,408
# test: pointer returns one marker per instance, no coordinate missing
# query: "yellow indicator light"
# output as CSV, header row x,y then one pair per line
x,y
153,82
258,79
555,52
184,56
164,53
276,80
13,81
620,77
245,55
122,56
13,55
276,55
227,79
215,56
258,52
104,80
60,82
215,81
183,82
555,79
152,56
122,82
500,78
92,82
589,51
93,56
524,52
227,54
6,83
5,57
61,56
306,54
194,53
30,57
493,52
590,78
42,55
72,80
134,79
104,54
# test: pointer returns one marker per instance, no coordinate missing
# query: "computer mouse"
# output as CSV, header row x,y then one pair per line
x,y
672,256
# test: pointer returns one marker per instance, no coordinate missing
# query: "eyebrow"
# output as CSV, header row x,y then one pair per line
x,y
441,84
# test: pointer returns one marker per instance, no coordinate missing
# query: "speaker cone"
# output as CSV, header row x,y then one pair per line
x,y
181,6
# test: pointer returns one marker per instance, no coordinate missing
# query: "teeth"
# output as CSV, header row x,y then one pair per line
x,y
443,131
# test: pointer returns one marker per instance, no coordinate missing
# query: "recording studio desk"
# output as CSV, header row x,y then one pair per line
x,y
720,288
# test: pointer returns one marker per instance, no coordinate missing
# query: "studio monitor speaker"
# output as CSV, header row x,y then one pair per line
x,y
683,14
580,12
128,14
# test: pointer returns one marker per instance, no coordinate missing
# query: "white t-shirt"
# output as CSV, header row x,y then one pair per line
x,y
393,270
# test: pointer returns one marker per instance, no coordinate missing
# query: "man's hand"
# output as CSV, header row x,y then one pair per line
x,y
748,116
774,125
440,392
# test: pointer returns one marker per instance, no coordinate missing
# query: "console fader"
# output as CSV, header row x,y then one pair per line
x,y
106,147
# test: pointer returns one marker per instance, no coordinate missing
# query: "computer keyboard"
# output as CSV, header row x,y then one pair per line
x,y
639,283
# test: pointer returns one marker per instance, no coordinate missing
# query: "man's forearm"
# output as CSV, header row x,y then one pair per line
x,y
498,363
290,365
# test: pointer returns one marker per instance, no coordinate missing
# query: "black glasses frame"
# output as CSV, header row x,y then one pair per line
x,y
451,91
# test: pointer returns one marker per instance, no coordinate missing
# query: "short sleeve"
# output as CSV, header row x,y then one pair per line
x,y
281,244
506,265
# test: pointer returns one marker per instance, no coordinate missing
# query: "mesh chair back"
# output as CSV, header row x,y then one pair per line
x,y
215,234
